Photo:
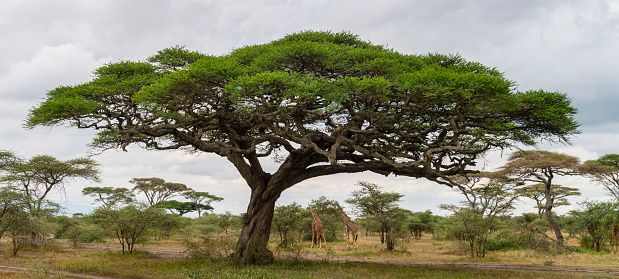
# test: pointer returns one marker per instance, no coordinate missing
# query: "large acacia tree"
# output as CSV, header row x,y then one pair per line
x,y
318,103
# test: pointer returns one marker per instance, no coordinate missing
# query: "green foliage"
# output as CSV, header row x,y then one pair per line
x,y
78,230
485,205
605,171
419,223
177,207
201,200
130,224
288,220
329,216
110,196
372,203
39,175
592,221
157,190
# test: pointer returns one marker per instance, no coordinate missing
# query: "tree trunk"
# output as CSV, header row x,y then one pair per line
x,y
251,248
390,242
548,210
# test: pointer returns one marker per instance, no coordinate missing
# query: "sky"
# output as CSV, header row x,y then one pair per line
x,y
567,46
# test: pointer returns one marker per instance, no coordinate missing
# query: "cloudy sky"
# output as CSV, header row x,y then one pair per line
x,y
568,46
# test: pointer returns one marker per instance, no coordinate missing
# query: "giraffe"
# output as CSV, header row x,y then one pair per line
x,y
350,227
613,231
318,229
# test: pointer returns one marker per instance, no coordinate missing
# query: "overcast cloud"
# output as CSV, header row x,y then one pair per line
x,y
567,46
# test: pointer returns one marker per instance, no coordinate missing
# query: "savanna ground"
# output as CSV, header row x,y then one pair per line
x,y
425,258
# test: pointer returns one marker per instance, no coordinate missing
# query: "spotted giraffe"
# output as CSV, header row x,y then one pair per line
x,y
318,229
350,227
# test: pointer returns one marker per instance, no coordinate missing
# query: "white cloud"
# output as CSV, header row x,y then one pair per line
x,y
568,46
52,66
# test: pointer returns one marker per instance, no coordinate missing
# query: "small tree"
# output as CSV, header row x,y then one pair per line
x,y
537,192
381,206
593,219
202,200
39,175
129,224
12,205
288,219
484,204
179,208
419,223
541,167
157,190
329,216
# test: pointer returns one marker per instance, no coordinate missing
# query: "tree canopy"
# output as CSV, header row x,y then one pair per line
x,y
38,176
157,190
319,103
605,170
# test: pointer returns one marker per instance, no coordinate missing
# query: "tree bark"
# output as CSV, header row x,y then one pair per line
x,y
251,248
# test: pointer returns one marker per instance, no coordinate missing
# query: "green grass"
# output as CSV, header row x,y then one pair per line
x,y
130,266
325,263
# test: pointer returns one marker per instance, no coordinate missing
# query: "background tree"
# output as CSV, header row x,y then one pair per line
x,y
419,223
202,200
484,205
372,202
537,192
180,208
12,204
157,190
542,167
227,221
321,103
288,219
110,196
78,229
592,221
329,216
39,175
605,170
130,224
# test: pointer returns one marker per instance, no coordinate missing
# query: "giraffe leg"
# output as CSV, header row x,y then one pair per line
x,y
324,237
347,239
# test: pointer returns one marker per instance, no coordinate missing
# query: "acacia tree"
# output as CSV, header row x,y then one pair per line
x,y
541,167
129,224
605,170
558,195
485,204
39,175
372,202
319,103
109,196
202,200
157,190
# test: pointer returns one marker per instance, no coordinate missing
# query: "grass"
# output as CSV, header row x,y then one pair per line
x,y
334,262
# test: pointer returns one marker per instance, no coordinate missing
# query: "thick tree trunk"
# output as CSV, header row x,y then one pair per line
x,y
251,248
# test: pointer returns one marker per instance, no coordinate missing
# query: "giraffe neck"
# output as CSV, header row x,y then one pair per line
x,y
339,208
